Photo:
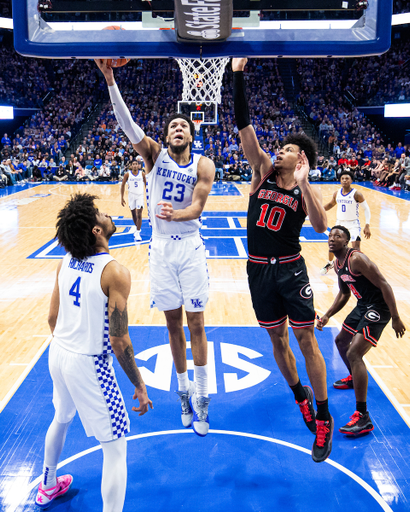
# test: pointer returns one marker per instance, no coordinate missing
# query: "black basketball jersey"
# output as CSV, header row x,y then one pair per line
x,y
364,290
275,219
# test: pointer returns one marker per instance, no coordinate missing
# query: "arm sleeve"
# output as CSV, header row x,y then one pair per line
x,y
366,209
123,116
240,101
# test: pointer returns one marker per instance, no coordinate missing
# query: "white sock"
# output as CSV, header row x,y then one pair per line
x,y
55,440
114,475
201,380
183,381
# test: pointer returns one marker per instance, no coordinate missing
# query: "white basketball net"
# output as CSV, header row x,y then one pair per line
x,y
202,79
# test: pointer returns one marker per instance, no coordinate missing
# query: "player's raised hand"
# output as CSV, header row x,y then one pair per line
x,y
239,64
106,70
302,168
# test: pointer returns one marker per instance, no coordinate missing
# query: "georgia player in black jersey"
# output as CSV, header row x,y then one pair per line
x,y
280,200
364,325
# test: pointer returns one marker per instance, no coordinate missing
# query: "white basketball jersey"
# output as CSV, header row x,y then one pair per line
x,y
82,321
171,182
347,206
135,184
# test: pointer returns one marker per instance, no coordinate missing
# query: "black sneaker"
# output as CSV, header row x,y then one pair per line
x,y
359,424
307,410
323,442
346,383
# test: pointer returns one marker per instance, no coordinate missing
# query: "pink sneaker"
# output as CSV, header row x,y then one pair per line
x,y
45,497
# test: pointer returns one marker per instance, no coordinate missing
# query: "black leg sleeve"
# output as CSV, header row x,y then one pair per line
x,y
240,101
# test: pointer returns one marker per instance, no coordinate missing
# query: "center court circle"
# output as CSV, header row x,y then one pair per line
x,y
226,470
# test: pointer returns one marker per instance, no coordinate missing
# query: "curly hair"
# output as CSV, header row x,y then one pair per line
x,y
345,231
75,224
348,173
305,144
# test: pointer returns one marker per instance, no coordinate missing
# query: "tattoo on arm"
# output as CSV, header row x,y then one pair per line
x,y
118,322
127,362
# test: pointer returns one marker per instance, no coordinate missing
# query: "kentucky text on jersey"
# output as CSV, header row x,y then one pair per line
x,y
277,197
83,266
176,175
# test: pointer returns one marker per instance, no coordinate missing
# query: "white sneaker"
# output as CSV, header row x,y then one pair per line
x,y
186,410
137,236
200,421
329,265
45,497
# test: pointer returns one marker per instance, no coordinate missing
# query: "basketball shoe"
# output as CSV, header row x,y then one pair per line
x,y
346,383
137,236
46,496
307,410
324,270
200,421
359,424
323,442
186,409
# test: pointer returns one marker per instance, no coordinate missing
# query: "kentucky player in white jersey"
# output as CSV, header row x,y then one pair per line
x,y
348,200
178,185
135,178
88,319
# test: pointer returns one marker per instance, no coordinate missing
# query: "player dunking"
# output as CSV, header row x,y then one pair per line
x,y
364,325
348,200
178,185
88,320
135,178
280,200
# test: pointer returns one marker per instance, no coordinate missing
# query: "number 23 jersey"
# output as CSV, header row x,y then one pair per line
x,y
275,219
175,184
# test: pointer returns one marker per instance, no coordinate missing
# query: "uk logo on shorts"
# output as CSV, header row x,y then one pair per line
x,y
306,291
197,303
372,315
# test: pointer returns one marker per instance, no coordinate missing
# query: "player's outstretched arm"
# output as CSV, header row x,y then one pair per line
x,y
146,147
361,264
205,178
258,159
363,204
116,284
331,203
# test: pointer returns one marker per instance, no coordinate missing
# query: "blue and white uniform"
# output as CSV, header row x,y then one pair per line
x,y
348,213
178,269
135,190
80,358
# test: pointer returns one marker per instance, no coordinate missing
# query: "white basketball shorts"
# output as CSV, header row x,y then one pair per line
x,y
135,201
88,384
353,226
178,272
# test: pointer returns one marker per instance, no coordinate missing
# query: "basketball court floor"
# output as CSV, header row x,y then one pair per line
x,y
256,456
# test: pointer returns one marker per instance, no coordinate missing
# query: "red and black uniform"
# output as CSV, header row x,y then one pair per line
x,y
277,273
371,315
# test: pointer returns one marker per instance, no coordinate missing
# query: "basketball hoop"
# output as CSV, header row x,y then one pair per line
x,y
197,124
202,79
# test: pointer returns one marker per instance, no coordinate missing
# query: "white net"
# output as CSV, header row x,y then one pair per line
x,y
202,79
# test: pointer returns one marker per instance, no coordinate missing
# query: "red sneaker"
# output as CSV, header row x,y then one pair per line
x,y
346,383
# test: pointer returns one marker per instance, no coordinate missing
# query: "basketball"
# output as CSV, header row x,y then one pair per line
x,y
116,63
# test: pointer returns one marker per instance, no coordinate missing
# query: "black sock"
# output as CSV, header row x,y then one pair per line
x,y
361,407
299,392
323,410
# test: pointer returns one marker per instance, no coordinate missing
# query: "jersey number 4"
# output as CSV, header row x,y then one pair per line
x,y
275,220
75,291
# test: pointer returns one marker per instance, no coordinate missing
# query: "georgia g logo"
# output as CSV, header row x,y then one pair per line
x,y
306,291
372,315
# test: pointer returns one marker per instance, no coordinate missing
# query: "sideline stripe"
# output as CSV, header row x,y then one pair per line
x,y
29,367
336,465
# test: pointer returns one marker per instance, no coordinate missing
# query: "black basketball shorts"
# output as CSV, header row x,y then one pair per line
x,y
280,289
368,320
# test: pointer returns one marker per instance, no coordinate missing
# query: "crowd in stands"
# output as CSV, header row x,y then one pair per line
x,y
152,88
